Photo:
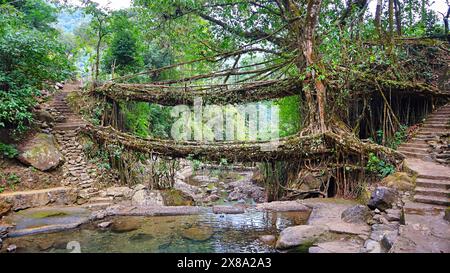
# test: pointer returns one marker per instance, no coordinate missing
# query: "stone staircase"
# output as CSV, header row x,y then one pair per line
x,y
433,179
77,171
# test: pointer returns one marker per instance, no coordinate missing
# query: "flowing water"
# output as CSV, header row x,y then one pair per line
x,y
203,233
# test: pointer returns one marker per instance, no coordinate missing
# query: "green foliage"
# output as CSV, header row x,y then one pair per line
x,y
289,115
8,180
31,56
124,51
8,150
380,167
398,138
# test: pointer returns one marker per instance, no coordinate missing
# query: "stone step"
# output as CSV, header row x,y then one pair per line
x,y
66,127
432,200
101,205
435,126
422,209
433,177
101,199
433,183
421,144
413,150
432,192
415,155
439,116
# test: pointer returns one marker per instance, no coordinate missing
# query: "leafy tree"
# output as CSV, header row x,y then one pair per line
x,y
31,56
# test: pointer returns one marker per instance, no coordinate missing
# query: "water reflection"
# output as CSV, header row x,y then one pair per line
x,y
193,233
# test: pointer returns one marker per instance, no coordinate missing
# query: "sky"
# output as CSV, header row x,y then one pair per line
x,y
438,5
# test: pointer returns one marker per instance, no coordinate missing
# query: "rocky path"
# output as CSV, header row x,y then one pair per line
x,y
78,172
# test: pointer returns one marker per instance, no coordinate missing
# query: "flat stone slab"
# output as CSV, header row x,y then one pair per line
x,y
280,206
347,228
328,213
40,198
228,209
427,168
336,247
119,210
45,220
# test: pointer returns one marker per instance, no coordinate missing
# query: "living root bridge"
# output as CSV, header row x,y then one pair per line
x,y
220,94
295,147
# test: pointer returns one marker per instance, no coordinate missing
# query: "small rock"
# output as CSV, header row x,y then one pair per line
x,y
382,198
139,187
212,198
388,240
356,214
268,239
393,214
5,207
372,246
104,225
377,211
11,248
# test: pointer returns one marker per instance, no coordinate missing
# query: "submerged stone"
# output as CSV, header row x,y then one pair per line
x,y
141,237
197,233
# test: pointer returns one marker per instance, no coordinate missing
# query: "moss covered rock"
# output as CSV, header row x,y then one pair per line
x,y
175,197
41,152
400,181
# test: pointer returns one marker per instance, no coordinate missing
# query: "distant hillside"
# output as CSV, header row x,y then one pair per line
x,y
69,21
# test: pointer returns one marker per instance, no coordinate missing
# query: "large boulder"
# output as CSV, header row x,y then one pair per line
x,y
41,152
400,181
300,235
356,214
146,198
382,198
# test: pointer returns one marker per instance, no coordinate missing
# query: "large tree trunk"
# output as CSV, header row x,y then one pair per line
x,y
314,89
313,82
398,17
378,17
